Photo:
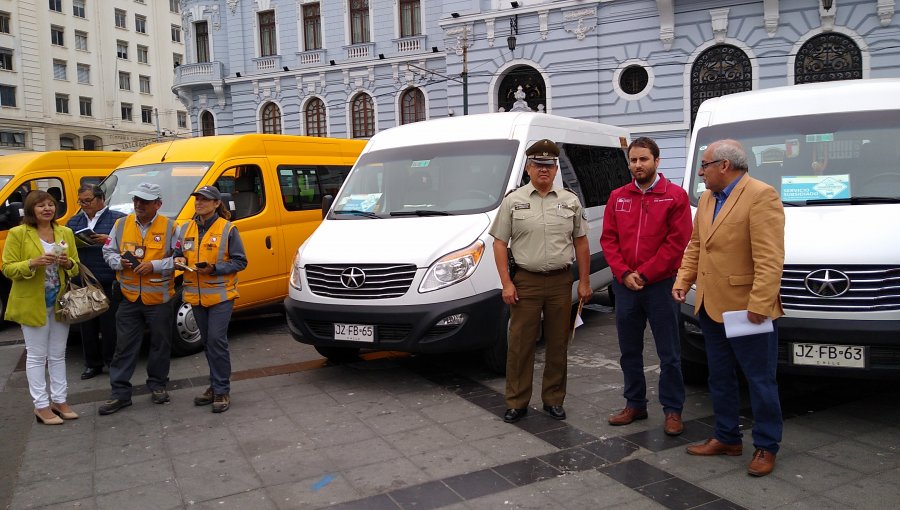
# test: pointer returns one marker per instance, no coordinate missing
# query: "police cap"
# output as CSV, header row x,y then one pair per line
x,y
543,152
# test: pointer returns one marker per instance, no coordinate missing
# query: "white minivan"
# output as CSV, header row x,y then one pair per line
x,y
403,261
832,150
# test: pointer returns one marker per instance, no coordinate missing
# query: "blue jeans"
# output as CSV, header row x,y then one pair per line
x,y
757,355
213,324
634,309
131,319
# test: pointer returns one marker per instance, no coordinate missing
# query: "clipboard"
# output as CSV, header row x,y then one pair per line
x,y
578,321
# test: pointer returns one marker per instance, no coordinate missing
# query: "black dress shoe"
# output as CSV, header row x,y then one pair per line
x,y
556,412
91,372
514,415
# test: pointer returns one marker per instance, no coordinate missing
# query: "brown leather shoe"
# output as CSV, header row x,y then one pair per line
x,y
674,425
762,464
627,415
713,446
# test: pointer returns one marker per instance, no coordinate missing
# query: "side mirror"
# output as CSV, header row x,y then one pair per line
x,y
327,200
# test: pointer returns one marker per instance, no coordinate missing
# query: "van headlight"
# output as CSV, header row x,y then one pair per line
x,y
453,268
295,271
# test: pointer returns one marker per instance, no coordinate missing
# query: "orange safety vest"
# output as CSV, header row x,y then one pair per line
x,y
153,288
207,290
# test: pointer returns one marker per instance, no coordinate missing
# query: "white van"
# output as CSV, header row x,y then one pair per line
x,y
832,150
403,259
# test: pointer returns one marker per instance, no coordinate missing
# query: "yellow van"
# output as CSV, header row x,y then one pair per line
x,y
59,173
276,184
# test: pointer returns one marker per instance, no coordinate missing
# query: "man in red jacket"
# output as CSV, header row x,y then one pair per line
x,y
646,227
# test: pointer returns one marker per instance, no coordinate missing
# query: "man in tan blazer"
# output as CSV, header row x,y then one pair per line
x,y
736,257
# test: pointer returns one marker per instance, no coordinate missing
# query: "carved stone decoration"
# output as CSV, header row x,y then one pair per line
x,y
770,16
828,57
219,89
585,21
232,5
719,20
827,16
489,26
214,17
543,18
520,105
885,10
521,80
186,17
462,39
301,91
263,5
666,23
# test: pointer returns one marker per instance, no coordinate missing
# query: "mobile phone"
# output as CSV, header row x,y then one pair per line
x,y
131,258
201,265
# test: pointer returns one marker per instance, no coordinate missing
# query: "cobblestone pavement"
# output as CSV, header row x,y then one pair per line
x,y
398,432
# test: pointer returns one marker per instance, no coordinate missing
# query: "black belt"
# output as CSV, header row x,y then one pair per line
x,y
552,272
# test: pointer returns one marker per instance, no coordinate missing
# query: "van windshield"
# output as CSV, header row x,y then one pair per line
x,y
816,159
176,182
448,178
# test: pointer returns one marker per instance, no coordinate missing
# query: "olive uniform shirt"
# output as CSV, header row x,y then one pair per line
x,y
541,229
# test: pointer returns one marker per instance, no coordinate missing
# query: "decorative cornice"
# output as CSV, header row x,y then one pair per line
x,y
770,16
719,21
885,10
666,23
827,17
543,18
585,21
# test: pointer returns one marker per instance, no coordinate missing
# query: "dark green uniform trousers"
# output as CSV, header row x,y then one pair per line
x,y
552,295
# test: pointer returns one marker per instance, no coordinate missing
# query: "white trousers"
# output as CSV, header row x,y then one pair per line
x,y
45,346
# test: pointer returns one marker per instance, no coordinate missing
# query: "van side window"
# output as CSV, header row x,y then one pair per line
x,y
248,192
302,187
91,180
9,215
593,172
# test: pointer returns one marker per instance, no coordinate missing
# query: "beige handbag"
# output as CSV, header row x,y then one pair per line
x,y
82,302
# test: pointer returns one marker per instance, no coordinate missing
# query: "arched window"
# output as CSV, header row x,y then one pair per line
x,y
721,70
207,124
67,143
271,119
92,143
363,116
828,57
532,85
314,118
412,106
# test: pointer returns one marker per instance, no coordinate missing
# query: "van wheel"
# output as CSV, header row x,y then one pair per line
x,y
495,355
186,336
338,354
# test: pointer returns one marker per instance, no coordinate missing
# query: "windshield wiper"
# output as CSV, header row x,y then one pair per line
x,y
791,204
421,212
854,201
357,212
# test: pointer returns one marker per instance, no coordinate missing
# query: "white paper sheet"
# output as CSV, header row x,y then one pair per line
x,y
737,324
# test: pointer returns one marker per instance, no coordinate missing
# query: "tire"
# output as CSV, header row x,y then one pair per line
x,y
338,354
495,356
186,335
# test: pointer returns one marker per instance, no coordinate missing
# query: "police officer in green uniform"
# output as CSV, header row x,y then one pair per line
x,y
543,226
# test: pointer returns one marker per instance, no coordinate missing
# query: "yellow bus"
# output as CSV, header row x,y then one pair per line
x,y
59,173
276,184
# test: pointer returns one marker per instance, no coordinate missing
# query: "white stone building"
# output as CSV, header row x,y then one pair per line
x,y
89,74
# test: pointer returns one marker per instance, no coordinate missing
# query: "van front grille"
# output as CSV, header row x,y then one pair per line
x,y
360,281
866,288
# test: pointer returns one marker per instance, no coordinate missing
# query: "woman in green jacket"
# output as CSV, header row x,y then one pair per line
x,y
39,257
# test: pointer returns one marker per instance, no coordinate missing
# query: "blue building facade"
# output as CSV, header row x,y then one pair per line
x,y
642,64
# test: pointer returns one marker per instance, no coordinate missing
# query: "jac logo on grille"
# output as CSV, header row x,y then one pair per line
x,y
353,278
827,283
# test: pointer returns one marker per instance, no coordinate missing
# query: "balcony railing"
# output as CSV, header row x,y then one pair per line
x,y
360,51
414,44
267,64
311,57
202,72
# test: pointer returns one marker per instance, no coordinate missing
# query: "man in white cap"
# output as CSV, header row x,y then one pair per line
x,y
139,249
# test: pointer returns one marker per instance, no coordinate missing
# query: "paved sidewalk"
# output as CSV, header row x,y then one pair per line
x,y
400,432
